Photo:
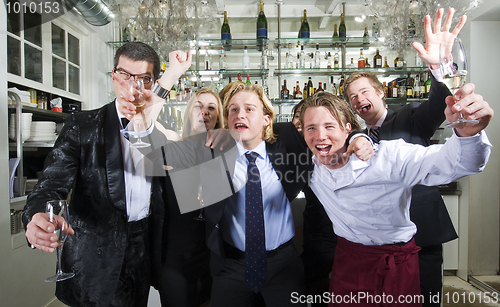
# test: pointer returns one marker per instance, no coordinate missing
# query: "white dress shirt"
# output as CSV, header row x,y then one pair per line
x,y
137,184
369,202
278,219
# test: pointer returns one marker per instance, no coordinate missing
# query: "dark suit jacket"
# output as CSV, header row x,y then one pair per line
x,y
291,161
416,123
87,159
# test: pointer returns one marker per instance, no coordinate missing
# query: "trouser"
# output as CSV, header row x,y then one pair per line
x,y
375,275
431,274
133,285
285,276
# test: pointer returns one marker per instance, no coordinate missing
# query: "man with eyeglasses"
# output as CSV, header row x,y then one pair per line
x,y
111,199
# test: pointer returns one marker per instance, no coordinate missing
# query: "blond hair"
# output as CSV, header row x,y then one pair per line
x,y
372,78
339,108
187,129
237,86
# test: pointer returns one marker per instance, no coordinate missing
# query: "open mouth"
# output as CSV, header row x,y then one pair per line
x,y
323,149
240,126
365,108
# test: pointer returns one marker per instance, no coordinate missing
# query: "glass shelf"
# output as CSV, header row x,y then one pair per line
x,y
389,101
43,114
212,43
229,72
328,42
340,71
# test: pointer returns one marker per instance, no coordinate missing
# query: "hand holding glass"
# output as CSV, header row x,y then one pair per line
x,y
58,214
453,65
136,88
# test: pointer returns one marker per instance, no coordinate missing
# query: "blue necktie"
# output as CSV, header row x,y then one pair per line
x,y
255,241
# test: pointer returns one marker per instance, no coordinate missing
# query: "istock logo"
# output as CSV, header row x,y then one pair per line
x,y
26,14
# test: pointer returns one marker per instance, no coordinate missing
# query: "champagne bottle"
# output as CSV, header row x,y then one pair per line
x,y
304,28
377,60
342,29
225,31
361,60
246,59
366,37
310,88
427,85
261,22
301,21
335,33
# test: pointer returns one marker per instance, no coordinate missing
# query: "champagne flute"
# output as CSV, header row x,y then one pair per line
x,y
136,88
58,214
201,216
453,65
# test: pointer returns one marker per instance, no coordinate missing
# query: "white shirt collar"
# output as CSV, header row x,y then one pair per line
x,y
260,149
379,123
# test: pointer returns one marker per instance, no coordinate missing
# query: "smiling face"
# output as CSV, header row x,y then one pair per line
x,y
205,113
246,116
296,119
325,137
366,100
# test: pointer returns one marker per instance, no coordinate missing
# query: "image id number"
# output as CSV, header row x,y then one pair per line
x,y
470,298
47,7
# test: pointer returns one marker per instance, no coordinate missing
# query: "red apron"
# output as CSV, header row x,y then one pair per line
x,y
375,275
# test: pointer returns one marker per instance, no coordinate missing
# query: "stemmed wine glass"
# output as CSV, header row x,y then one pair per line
x,y
453,64
136,88
201,216
58,214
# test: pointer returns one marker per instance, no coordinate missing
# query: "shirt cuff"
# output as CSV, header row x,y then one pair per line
x,y
358,135
437,74
127,134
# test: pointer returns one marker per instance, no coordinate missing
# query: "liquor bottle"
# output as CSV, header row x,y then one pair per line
x,y
409,86
302,57
328,57
310,88
399,61
261,22
179,91
341,85
335,33
334,89
342,29
289,58
187,90
336,60
386,90
173,119
223,59
208,60
173,93
320,88
367,64
416,87
351,65
361,60
264,59
248,80
304,28
366,37
225,31
220,83
239,77
427,86
377,60
394,90
317,57
402,90
284,91
298,92
246,59
385,64
418,60
396,61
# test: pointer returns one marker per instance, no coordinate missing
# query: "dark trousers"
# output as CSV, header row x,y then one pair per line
x,y
285,276
431,282
132,289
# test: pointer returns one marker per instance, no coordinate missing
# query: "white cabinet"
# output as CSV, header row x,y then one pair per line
x,y
451,249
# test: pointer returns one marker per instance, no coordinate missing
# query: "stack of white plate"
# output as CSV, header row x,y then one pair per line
x,y
26,126
43,132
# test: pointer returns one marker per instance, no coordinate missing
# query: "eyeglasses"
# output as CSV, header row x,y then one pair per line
x,y
126,76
